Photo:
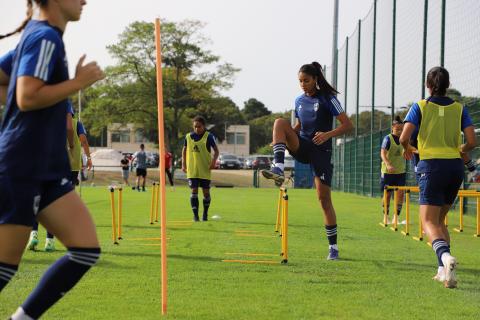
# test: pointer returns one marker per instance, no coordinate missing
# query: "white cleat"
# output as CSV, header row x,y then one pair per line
x,y
450,272
440,276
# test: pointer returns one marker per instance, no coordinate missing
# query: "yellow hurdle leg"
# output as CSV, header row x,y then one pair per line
x,y
478,218
152,204
407,213
285,229
446,221
120,205
114,224
385,217
420,229
279,211
395,205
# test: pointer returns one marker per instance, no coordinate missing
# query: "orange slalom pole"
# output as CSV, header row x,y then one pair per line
x,y
477,234
161,145
114,223
120,205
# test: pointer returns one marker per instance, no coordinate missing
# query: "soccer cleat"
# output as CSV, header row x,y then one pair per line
x,y
196,218
205,217
276,174
49,245
332,254
440,276
450,272
33,241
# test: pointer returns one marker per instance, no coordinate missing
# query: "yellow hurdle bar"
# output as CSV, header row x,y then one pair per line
x,y
114,223
284,253
152,204
406,232
120,205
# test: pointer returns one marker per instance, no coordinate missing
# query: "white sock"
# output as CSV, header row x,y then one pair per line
x,y
440,270
20,315
281,166
333,246
444,257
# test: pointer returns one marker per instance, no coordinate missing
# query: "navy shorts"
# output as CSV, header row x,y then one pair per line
x,y
439,188
141,172
74,178
21,201
388,179
194,183
319,159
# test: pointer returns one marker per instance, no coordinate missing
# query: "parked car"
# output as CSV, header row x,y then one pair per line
x,y
153,159
228,161
260,162
241,160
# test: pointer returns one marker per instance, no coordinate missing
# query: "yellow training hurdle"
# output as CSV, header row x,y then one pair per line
x,y
281,226
116,223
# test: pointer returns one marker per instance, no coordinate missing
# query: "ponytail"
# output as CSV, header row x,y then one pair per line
x,y
27,19
315,70
438,81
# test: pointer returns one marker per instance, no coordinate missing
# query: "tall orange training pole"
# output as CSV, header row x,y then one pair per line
x,y
161,145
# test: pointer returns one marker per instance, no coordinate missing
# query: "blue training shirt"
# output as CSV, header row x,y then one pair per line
x,y
6,62
316,113
80,128
32,143
210,140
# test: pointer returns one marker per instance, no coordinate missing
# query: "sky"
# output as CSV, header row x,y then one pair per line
x,y
267,39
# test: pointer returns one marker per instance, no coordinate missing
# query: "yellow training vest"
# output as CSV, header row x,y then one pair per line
x,y
395,156
75,155
198,158
439,136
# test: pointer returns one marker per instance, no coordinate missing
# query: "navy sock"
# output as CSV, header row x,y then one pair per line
x,y
35,225
399,209
440,246
471,166
331,234
194,203
206,205
279,152
62,276
7,271
49,235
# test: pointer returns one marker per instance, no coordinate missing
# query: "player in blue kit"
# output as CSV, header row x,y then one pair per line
x,y
439,121
34,167
310,140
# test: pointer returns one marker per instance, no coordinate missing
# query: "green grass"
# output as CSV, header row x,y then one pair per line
x,y
381,274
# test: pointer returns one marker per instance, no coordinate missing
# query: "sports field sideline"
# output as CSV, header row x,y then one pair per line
x,y
381,274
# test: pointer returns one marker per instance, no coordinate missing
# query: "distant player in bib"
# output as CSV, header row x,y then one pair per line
x,y
197,162
440,122
393,164
34,166
310,140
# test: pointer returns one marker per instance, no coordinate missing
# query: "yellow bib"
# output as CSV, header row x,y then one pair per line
x,y
395,156
439,136
198,158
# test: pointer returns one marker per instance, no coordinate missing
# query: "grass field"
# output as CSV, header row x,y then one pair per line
x,y
381,274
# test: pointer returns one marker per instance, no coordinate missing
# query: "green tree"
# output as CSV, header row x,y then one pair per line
x,y
261,130
252,108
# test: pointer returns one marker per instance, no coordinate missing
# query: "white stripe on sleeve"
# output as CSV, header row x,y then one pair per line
x,y
337,105
40,59
48,57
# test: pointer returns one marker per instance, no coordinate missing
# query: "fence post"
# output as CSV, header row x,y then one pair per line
x,y
358,101
442,35
424,57
394,35
372,120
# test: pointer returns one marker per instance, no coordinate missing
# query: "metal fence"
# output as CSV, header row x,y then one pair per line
x,y
382,67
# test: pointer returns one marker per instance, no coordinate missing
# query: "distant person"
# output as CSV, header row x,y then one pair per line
x,y
125,169
393,167
168,167
310,141
141,158
197,162
440,169
34,166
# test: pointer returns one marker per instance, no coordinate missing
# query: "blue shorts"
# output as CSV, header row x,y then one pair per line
x,y
194,183
21,201
388,179
439,188
318,158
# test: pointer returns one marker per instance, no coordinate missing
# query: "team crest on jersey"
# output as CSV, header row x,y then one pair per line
x,y
196,149
315,106
65,61
299,107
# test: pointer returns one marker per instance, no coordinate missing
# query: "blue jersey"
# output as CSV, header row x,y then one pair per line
x,y
80,128
6,62
316,114
32,143
210,140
